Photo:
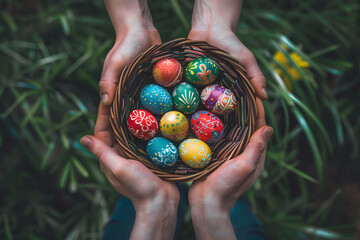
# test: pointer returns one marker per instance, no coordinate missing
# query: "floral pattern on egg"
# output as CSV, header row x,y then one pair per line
x,y
195,153
218,99
142,124
201,71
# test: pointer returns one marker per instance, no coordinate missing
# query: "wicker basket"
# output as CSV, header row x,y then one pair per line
x,y
238,125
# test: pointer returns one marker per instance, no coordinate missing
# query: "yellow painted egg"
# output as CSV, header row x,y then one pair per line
x,y
174,126
195,153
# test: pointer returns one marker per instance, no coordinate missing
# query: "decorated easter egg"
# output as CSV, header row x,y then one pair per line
x,y
186,98
162,152
167,72
207,126
156,99
218,99
201,71
174,126
195,153
142,124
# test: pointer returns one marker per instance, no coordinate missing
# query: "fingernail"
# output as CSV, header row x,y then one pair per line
x,y
264,93
267,132
86,142
105,99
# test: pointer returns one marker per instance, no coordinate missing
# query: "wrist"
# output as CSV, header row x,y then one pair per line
x,y
210,215
156,217
215,15
130,14
212,223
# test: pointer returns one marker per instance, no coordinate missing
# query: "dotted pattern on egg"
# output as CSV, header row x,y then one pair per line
x,y
156,99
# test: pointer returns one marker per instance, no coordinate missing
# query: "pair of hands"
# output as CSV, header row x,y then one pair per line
x,y
155,200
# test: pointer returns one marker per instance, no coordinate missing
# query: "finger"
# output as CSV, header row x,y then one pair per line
x,y
113,66
250,158
254,73
260,117
106,155
102,126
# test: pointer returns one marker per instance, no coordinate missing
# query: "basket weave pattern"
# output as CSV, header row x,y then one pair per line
x,y
238,125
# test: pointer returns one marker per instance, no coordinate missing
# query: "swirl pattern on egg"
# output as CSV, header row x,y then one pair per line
x,y
218,99
207,126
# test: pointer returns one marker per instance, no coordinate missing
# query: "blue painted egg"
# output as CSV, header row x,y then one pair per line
x,y
162,152
156,99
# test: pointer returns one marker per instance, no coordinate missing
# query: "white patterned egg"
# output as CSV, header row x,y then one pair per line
x,y
195,153
162,152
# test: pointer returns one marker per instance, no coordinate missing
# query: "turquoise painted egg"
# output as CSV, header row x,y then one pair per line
x,y
162,152
202,71
195,153
186,98
156,99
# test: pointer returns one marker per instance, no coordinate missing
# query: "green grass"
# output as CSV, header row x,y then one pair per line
x,y
51,55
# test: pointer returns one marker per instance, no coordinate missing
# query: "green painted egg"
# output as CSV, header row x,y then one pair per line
x,y
186,98
201,71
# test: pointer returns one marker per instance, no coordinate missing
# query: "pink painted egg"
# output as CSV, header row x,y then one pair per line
x,y
168,72
142,124
218,99
207,126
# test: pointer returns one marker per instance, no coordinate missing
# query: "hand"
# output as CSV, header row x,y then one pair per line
x,y
214,21
135,33
212,199
155,200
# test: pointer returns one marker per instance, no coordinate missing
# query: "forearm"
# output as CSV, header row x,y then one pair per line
x,y
219,14
212,224
156,220
126,14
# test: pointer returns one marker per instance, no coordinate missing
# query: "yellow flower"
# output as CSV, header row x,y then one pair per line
x,y
293,72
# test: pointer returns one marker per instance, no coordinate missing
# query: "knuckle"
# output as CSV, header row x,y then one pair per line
x,y
103,82
262,79
260,147
118,170
99,153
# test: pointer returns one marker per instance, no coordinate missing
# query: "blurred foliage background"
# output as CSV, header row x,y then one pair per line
x,y
51,55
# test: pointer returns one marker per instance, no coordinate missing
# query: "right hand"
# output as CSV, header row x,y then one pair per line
x,y
128,45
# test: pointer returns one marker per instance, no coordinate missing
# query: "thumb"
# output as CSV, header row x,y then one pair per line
x,y
106,155
256,147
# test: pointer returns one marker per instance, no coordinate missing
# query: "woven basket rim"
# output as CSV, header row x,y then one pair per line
x,y
134,76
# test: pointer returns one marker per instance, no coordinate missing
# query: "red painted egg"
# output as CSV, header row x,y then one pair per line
x,y
142,124
168,72
207,126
